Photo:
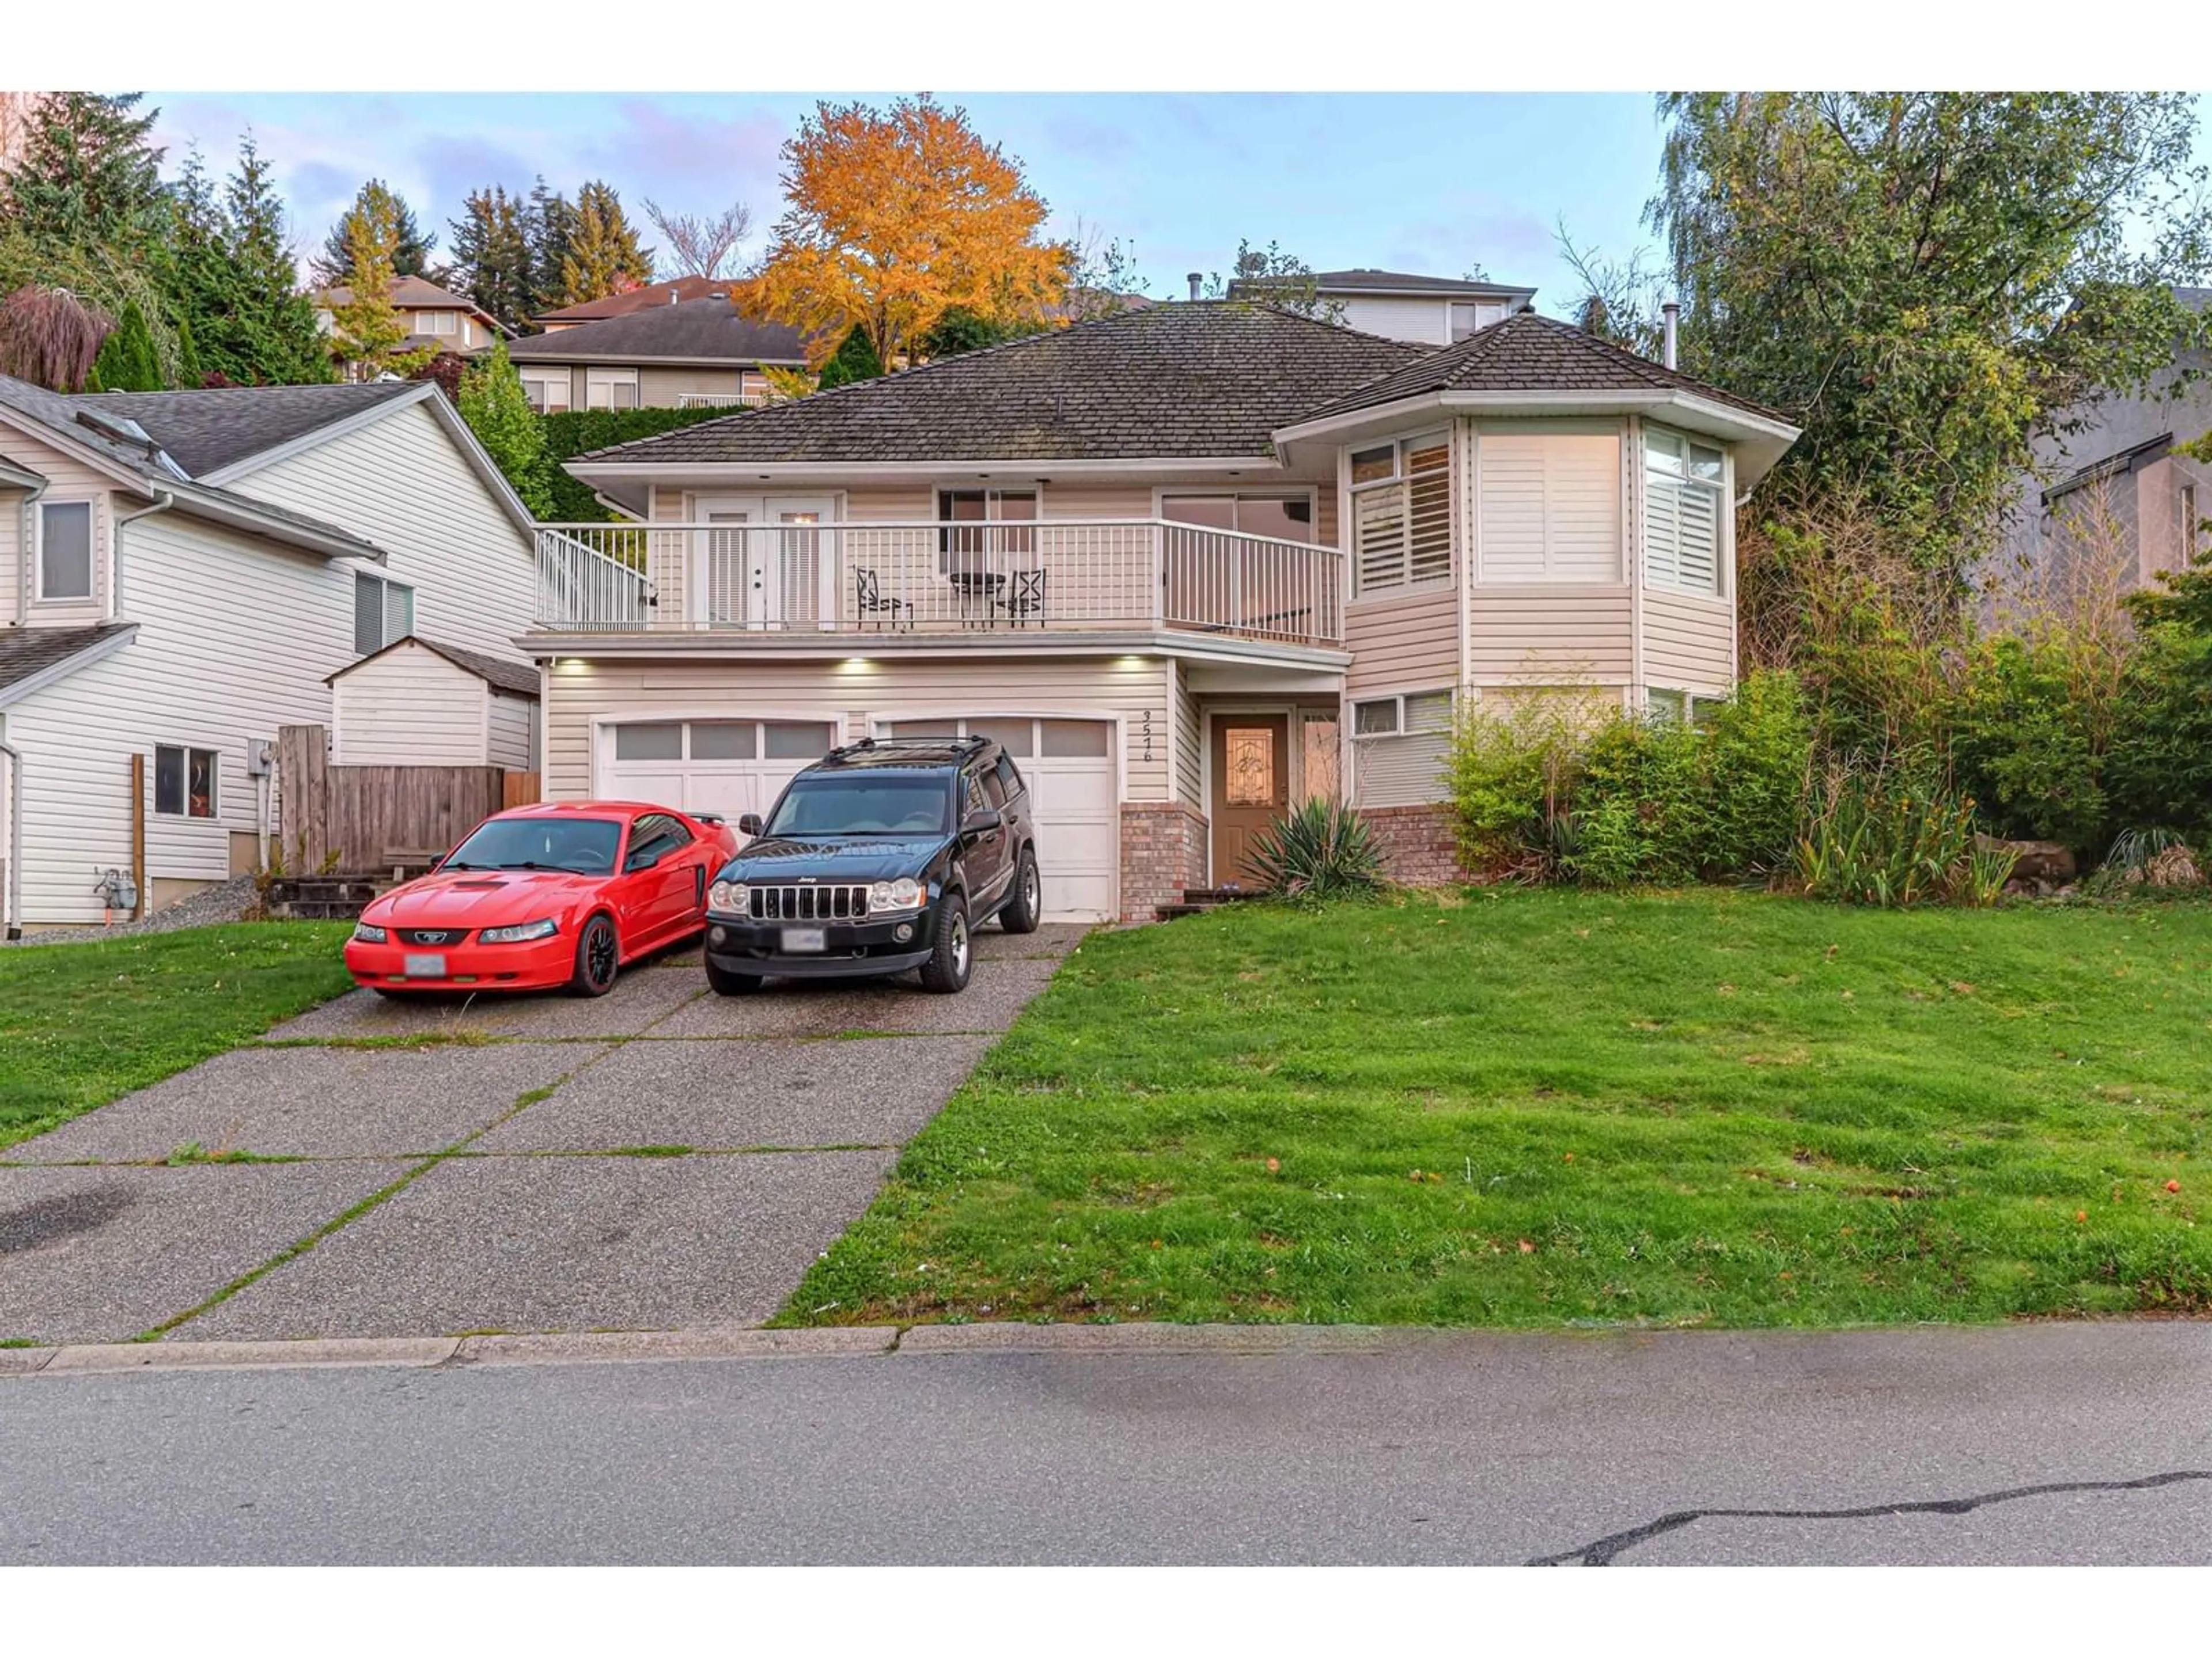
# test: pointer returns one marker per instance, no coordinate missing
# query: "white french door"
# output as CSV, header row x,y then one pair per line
x,y
764,571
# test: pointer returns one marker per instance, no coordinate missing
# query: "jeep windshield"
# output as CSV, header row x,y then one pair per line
x,y
852,803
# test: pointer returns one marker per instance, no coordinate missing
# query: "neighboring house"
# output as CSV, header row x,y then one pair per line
x,y
181,571
1192,564
679,353
421,702
1424,310
434,317
2109,502
636,299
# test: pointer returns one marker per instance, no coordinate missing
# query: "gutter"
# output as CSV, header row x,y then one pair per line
x,y
12,901
168,499
29,510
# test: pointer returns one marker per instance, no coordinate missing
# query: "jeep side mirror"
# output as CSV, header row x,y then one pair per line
x,y
983,823
750,825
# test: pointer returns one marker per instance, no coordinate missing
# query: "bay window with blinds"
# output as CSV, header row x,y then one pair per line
x,y
1402,516
1685,489
1549,506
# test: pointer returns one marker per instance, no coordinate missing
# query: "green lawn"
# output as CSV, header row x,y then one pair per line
x,y
1553,1107
82,1023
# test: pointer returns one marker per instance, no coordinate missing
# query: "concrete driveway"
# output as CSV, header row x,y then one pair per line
x,y
657,1159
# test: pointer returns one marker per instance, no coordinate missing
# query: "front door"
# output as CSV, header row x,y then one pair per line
x,y
1251,788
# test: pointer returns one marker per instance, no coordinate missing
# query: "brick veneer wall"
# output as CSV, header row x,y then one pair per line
x,y
1162,853
1417,845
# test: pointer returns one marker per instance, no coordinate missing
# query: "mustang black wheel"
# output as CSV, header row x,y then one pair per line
x,y
1020,915
950,957
724,983
599,958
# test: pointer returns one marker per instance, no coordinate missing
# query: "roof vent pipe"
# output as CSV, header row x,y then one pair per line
x,y
1194,278
1671,311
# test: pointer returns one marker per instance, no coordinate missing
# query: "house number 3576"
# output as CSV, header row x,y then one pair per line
x,y
1145,733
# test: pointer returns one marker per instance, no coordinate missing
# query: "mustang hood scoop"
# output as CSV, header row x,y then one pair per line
x,y
476,886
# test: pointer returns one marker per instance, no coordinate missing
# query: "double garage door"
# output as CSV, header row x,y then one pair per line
x,y
733,767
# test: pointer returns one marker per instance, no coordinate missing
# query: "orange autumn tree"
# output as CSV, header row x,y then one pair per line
x,y
891,219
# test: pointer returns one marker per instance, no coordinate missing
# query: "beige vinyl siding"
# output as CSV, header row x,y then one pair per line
x,y
1425,321
581,691
67,480
1562,635
1689,642
661,387
205,671
1548,506
1411,641
402,483
1190,745
409,708
513,733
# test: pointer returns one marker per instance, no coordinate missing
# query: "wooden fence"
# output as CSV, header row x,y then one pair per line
x,y
361,814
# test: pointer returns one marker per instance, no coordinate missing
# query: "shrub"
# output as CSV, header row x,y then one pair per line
x,y
1320,851
2159,770
1509,772
2028,745
854,359
1885,837
578,431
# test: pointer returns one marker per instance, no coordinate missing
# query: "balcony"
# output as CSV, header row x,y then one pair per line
x,y
1051,575
753,397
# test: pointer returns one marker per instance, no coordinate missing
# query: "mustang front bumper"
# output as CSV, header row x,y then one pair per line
x,y
538,965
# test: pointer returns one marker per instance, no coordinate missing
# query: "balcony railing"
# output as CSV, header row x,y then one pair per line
x,y
1051,575
752,397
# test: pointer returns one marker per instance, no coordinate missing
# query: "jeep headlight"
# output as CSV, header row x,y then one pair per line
x,y
727,896
904,893
543,927
367,932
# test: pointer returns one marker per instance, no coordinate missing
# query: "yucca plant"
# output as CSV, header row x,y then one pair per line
x,y
1321,851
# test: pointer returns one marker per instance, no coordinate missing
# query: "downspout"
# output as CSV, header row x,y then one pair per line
x,y
29,509
115,554
14,898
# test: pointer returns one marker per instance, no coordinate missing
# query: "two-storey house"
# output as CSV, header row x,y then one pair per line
x,y
680,354
1192,564
181,574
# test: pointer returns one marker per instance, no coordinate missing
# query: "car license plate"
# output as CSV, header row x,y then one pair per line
x,y
805,939
426,965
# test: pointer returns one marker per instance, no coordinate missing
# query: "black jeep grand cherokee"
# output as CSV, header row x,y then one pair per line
x,y
885,855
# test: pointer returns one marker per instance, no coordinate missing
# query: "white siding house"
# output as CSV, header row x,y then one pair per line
x,y
245,545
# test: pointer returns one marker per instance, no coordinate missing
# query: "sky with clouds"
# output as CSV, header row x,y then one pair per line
x,y
1438,184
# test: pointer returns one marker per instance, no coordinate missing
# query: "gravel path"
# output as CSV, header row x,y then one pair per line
x,y
225,901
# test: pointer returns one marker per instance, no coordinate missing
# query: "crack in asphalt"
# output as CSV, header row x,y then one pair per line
x,y
1605,1551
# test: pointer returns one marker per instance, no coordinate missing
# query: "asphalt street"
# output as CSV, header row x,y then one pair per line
x,y
2052,1443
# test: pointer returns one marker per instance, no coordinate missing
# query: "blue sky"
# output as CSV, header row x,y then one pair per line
x,y
1417,182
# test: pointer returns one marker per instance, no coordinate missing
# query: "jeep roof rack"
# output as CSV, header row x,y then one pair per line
x,y
870,745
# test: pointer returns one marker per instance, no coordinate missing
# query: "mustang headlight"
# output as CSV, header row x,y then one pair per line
x,y
904,893
368,933
728,896
543,927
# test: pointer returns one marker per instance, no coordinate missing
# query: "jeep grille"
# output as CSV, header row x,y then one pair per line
x,y
809,903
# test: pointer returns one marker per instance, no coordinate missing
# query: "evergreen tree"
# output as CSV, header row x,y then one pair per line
x,y
281,343
366,328
191,373
492,254
127,359
411,251
497,409
87,178
549,225
604,254
854,360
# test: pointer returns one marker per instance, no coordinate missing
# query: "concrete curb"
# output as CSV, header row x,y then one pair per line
x,y
732,1342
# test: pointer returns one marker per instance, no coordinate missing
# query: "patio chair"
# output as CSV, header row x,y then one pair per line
x,y
870,601
1024,597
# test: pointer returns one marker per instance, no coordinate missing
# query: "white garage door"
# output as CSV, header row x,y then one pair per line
x,y
731,767
1074,797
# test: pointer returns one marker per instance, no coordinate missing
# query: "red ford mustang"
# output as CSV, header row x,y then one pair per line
x,y
544,896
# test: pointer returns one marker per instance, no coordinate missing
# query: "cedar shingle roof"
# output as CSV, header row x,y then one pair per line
x,y
1191,380
27,650
206,431
689,330
1529,353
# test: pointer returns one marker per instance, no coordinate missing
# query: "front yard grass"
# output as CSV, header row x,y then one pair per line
x,y
1535,1108
82,1023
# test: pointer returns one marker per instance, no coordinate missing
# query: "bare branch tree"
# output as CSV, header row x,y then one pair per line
x,y
700,246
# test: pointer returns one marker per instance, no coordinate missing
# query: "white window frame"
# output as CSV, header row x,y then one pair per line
x,y
2185,509
600,386
539,386
1008,544
385,587
1161,498
1366,742
1477,319
40,595
437,322
1649,477
1401,480
215,782
1668,703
